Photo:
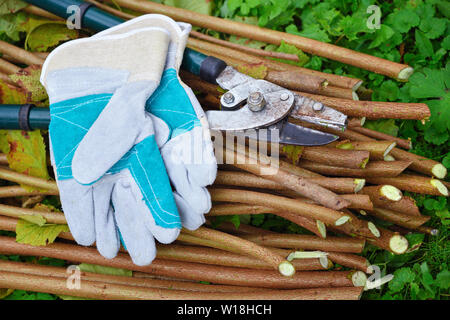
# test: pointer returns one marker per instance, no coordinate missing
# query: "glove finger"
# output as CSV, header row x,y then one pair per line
x,y
196,196
145,214
138,240
190,219
78,206
202,171
107,237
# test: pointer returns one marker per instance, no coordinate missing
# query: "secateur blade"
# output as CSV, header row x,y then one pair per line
x,y
285,132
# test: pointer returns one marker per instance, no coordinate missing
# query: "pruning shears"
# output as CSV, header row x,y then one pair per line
x,y
247,106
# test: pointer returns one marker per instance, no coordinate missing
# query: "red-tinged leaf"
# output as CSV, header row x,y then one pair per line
x,y
28,79
27,154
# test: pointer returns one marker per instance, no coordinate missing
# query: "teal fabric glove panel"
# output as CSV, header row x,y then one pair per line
x,y
170,103
71,120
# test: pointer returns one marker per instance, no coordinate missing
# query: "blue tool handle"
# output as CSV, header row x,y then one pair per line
x,y
24,117
206,67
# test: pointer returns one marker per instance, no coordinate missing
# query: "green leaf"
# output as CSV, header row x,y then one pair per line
x,y
402,276
381,36
200,6
11,6
428,83
9,25
36,219
288,48
387,126
388,91
312,31
5,292
446,43
433,27
105,270
443,279
424,44
403,20
446,161
32,234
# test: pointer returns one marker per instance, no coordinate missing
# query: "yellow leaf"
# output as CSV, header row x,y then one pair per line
x,y
5,292
32,234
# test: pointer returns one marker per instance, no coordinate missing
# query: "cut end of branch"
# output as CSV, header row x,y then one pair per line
x,y
286,269
322,228
388,157
325,262
355,96
439,171
357,85
363,121
342,220
398,244
363,164
359,184
390,192
389,149
373,228
359,279
440,187
405,73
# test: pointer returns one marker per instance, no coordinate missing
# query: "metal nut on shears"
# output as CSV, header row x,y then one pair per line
x,y
256,101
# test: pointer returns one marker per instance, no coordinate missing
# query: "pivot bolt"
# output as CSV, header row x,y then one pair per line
x,y
284,96
317,106
228,98
256,101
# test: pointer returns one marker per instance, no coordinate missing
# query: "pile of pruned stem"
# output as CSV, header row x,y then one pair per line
x,y
336,193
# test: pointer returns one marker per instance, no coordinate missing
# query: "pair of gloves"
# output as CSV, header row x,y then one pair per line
x,y
129,142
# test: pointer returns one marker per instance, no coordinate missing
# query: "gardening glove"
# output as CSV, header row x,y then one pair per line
x,y
188,154
111,177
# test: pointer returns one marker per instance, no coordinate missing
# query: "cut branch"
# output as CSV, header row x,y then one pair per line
x,y
400,218
20,54
17,212
306,242
374,109
17,191
373,169
378,149
413,183
402,143
243,179
390,197
333,52
245,247
22,178
336,157
186,270
106,291
237,58
8,67
296,183
258,52
315,212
